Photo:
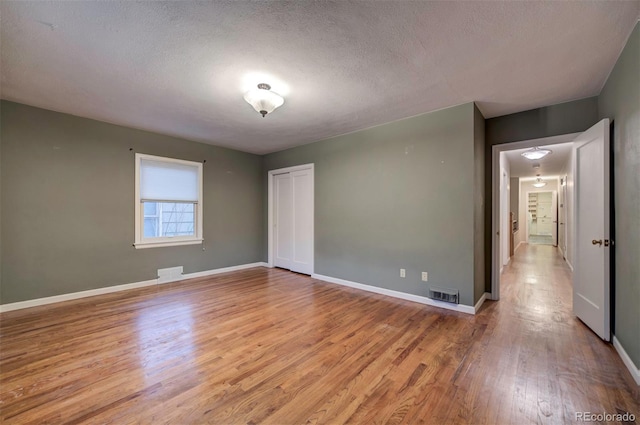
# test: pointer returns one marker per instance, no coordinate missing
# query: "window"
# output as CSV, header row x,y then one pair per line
x,y
168,202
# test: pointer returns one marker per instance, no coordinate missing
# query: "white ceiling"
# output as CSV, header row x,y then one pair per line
x,y
553,164
181,68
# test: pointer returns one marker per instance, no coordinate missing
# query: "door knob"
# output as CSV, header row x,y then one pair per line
x,y
596,242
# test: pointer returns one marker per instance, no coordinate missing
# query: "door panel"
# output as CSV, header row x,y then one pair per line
x,y
283,221
302,258
591,269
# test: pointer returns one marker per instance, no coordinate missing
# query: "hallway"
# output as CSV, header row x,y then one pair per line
x,y
548,362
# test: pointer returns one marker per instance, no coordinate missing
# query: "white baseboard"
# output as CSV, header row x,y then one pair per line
x,y
517,246
117,288
222,270
75,295
635,372
402,295
568,263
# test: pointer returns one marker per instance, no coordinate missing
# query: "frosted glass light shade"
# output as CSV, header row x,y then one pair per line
x,y
539,183
263,100
536,153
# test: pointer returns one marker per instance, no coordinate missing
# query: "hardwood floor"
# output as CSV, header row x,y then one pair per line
x,y
273,347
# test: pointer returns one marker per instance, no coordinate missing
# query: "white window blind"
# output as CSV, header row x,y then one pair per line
x,y
168,181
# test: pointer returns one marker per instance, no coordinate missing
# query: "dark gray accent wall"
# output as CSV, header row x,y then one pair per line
x,y
620,101
554,120
400,195
563,118
69,182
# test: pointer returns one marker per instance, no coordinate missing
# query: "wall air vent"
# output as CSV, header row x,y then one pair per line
x,y
170,274
446,295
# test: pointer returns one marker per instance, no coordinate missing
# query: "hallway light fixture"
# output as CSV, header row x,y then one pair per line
x,y
263,100
535,153
539,183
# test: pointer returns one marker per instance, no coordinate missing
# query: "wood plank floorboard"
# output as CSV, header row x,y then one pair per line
x,y
265,346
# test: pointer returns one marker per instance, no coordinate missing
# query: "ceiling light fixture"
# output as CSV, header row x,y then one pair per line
x,y
263,100
539,183
536,153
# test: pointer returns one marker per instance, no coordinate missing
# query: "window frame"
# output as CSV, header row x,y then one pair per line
x,y
156,242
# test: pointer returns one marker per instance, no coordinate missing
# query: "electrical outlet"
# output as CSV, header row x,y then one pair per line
x,y
403,273
425,276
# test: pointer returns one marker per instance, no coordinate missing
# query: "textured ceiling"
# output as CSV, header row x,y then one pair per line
x,y
181,68
553,164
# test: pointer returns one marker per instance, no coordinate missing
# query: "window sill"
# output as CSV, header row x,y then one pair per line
x,y
143,245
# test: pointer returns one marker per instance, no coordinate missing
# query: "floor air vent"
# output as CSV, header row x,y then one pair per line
x,y
446,295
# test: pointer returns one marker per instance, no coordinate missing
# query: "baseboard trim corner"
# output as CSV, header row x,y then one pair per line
x,y
396,294
568,263
481,301
118,288
635,371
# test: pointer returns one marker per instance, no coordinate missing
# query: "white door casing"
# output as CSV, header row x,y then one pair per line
x,y
562,219
554,217
591,290
505,228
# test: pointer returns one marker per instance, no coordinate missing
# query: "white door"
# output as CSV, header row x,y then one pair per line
x,y
591,268
292,200
283,220
302,255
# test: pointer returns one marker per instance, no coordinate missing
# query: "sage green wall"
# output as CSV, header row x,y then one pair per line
x,y
620,101
69,182
478,203
400,195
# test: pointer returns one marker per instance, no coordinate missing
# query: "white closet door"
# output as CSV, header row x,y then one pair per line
x,y
283,221
302,188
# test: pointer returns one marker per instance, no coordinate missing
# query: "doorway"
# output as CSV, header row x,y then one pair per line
x,y
588,213
519,227
542,217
